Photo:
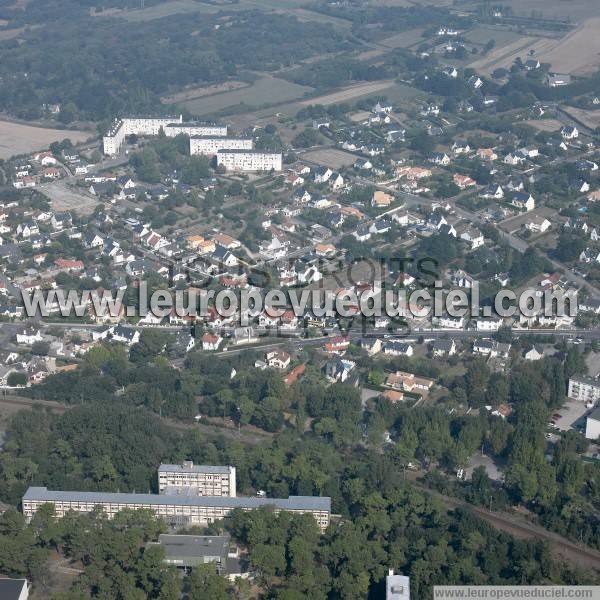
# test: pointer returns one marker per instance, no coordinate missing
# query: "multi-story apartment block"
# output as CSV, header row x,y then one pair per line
x,y
196,129
201,480
249,160
172,126
212,145
176,510
584,388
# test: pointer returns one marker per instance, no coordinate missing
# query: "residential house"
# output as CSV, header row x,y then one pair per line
x,y
372,346
380,226
184,342
523,201
569,132
408,382
394,348
556,80
278,359
362,233
443,347
61,220
538,224
447,229
492,192
322,174
461,147
336,181
439,158
450,72
211,341
471,236
92,239
589,255
461,279
381,199
487,154
491,348
126,335
363,164
448,322
28,337
488,323
337,345
534,353
338,369
463,181
224,257
475,82
513,159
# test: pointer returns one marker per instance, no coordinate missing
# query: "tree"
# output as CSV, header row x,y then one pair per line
x,y
40,348
203,583
16,379
569,247
307,138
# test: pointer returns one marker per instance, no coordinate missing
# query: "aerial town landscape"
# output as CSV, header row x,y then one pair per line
x,y
299,299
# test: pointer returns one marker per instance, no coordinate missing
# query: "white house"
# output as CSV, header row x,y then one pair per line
x,y
569,132
538,224
523,201
29,336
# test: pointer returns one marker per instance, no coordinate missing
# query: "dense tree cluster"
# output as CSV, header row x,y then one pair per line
x,y
114,70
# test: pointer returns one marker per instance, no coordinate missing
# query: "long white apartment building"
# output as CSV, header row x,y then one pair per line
x,y
176,510
196,129
249,160
211,145
172,126
584,388
201,480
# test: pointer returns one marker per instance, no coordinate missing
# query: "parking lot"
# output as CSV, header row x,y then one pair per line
x,y
571,415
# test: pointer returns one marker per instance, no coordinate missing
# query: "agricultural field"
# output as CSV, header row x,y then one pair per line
x,y
548,125
395,92
200,92
578,53
167,9
502,37
9,34
358,117
267,90
350,93
574,10
404,39
505,55
590,118
401,92
17,138
330,157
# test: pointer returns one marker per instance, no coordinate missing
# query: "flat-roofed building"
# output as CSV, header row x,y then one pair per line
x,y
138,125
14,589
584,388
397,587
196,129
211,145
113,140
206,480
192,550
249,160
592,425
180,510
